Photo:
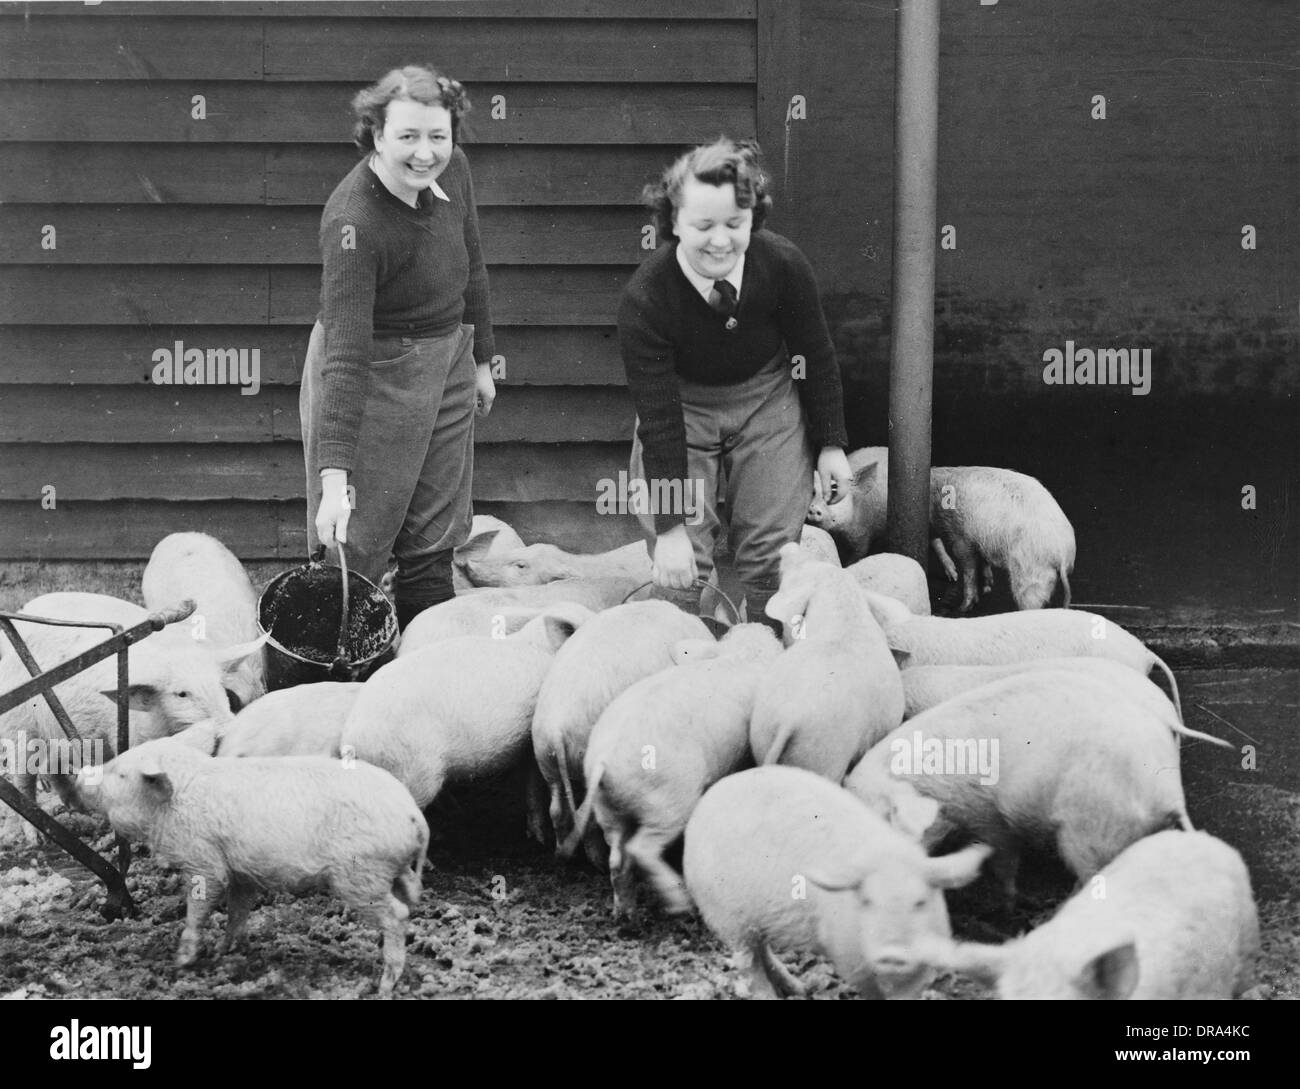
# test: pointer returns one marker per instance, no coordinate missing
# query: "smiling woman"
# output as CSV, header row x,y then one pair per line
x,y
390,385
733,375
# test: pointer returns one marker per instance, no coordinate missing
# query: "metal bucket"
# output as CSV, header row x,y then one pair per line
x,y
716,627
324,623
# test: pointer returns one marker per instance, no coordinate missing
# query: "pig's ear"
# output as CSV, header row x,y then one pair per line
x,y
790,600
958,869
835,876
140,697
887,610
476,547
155,781
558,630
866,475
1110,975
229,658
913,813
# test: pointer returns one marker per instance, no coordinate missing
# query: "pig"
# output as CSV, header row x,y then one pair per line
x,y
457,711
781,857
1171,917
1012,638
835,691
1047,755
174,683
927,686
818,544
487,537
306,720
285,823
532,565
896,576
200,568
610,653
857,520
985,517
498,612
659,745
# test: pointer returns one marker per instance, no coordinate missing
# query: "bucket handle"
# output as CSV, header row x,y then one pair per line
x,y
735,613
341,659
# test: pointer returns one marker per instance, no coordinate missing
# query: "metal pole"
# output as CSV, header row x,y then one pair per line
x,y
911,362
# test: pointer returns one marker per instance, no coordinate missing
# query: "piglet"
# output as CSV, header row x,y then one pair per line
x,y
285,823
780,857
1171,917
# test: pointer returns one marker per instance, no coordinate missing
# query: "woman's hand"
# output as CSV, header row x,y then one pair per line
x,y
333,513
674,560
834,473
485,388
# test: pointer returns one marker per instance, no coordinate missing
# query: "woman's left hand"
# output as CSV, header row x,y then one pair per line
x,y
834,472
485,389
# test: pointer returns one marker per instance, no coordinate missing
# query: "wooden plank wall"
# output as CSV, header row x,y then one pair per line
x,y
168,227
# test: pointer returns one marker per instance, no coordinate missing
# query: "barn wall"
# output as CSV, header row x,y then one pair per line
x,y
1122,232
170,228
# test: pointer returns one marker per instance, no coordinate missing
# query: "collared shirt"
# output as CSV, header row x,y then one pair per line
x,y
703,284
437,189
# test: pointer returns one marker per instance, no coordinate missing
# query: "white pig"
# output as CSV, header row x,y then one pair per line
x,y
1171,917
174,683
780,857
660,745
984,517
501,611
305,720
818,544
1043,756
607,655
927,686
896,576
534,564
287,823
457,711
835,691
202,569
1011,638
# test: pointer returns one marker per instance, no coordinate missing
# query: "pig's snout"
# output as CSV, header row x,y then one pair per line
x,y
817,513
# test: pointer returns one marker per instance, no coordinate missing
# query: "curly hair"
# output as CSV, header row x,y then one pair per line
x,y
723,162
418,83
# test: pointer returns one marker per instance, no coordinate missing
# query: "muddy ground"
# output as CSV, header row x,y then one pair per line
x,y
500,919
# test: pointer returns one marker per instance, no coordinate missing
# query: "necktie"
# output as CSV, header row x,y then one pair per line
x,y
723,299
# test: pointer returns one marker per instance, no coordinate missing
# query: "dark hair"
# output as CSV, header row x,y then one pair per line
x,y
418,83
723,162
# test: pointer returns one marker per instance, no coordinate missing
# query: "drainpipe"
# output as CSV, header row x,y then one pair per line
x,y
911,360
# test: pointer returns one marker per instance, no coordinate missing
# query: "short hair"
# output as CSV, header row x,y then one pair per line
x,y
416,83
723,162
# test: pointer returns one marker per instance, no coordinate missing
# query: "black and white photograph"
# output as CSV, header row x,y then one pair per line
x,y
708,500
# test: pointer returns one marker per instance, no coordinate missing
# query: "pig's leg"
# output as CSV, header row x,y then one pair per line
x,y
535,802
945,561
595,848
393,925
201,892
27,785
239,901
968,565
778,975
620,875
986,573
646,849
1005,865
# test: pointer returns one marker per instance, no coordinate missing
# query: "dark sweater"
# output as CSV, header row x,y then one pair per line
x,y
415,272
667,331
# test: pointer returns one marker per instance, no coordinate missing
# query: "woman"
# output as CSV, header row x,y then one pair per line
x,y
390,383
733,374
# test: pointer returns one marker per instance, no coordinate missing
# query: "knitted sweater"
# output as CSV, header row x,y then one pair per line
x,y
668,332
393,270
